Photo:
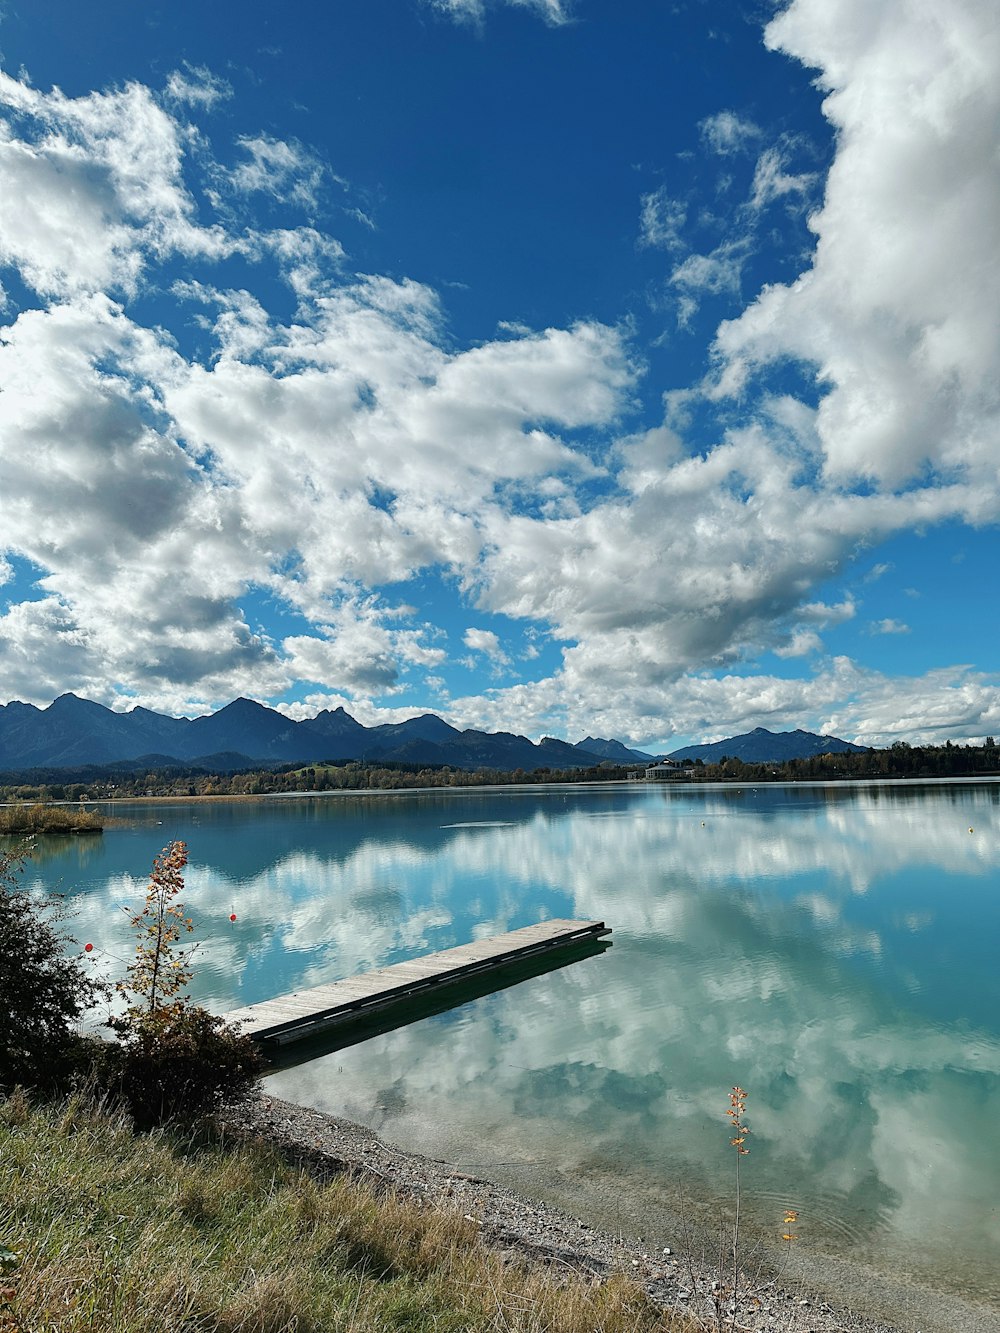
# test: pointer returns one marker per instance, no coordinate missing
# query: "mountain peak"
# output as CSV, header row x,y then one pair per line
x,y
72,703
243,705
603,748
763,746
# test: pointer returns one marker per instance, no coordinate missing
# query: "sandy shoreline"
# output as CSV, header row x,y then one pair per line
x,y
542,1234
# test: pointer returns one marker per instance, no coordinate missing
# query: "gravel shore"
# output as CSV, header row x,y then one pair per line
x,y
532,1230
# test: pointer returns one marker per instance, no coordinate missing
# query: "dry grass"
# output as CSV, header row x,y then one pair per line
x,y
166,1233
42,818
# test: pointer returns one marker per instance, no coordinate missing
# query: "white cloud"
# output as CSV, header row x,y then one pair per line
x,y
600,693
317,458
197,86
728,133
898,312
822,614
888,626
771,181
142,551
800,644
467,11
358,651
362,708
324,454
702,561
309,259
281,168
93,190
661,220
553,12
486,642
717,272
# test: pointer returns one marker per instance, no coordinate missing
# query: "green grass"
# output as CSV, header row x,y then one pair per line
x,y
41,818
178,1233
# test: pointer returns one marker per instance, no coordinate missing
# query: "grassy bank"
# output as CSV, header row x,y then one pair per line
x,y
20,820
170,1231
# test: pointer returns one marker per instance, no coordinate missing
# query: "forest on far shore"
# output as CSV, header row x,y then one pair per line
x,y
111,783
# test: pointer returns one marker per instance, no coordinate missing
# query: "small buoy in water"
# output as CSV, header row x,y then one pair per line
x,y
970,830
232,916
88,948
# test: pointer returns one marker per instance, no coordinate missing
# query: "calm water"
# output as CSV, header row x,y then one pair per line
x,y
833,950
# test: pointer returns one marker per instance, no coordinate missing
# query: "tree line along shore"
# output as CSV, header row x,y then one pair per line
x,y
110,782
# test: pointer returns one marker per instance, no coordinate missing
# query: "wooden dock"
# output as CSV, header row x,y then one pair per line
x,y
306,1014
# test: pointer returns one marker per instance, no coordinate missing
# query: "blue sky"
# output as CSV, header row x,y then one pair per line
x,y
563,368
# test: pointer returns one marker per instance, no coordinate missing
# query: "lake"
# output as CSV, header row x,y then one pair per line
x,y
831,949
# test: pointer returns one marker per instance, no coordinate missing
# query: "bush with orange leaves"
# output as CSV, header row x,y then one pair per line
x,y
173,1059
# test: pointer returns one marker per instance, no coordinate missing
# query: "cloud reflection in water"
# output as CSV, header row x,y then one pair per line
x,y
829,950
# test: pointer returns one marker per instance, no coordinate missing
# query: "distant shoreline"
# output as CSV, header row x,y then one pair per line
x,y
972,779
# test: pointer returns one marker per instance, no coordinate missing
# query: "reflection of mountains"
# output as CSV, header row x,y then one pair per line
x,y
239,841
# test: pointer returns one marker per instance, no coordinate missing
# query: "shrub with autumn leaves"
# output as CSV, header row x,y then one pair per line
x,y
173,1059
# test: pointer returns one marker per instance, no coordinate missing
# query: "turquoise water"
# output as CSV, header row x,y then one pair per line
x,y
832,950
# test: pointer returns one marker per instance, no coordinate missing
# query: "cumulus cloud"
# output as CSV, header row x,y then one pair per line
x,y
611,691
898,311
93,189
823,614
800,644
310,475
316,459
486,642
324,454
360,649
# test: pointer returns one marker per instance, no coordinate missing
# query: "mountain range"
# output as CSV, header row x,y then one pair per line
x,y
72,732
761,746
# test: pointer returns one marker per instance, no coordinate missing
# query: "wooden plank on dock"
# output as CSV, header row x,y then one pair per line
x,y
303,1014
